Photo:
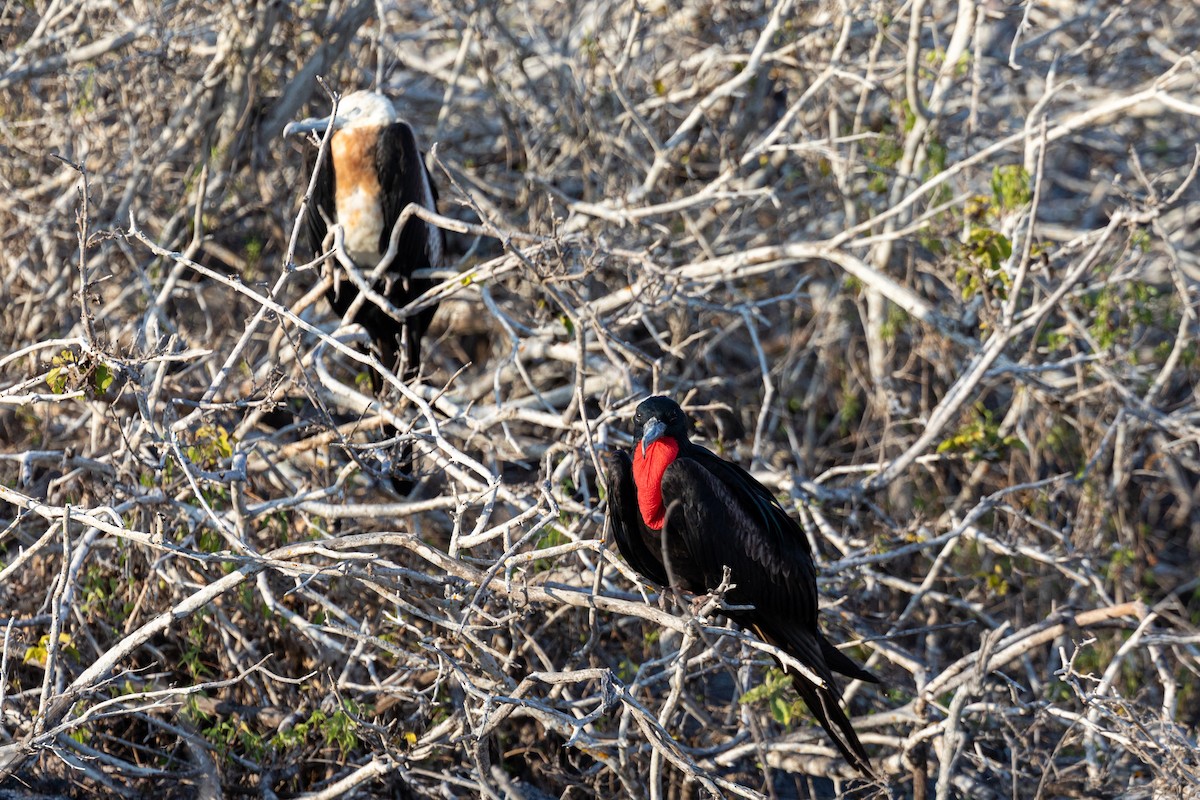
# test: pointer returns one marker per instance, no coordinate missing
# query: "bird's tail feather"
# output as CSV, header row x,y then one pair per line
x,y
823,703
843,664
402,477
816,652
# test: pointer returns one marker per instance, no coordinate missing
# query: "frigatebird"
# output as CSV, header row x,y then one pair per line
x,y
375,169
680,515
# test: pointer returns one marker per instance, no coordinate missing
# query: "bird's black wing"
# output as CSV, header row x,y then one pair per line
x,y
733,521
781,535
624,518
321,204
404,180
721,524
776,523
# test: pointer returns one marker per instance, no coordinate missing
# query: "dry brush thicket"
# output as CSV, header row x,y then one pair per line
x,y
927,269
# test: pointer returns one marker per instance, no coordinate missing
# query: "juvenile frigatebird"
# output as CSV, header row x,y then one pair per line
x,y
677,499
375,169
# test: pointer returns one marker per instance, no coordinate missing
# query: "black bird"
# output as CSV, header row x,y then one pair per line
x,y
704,513
375,168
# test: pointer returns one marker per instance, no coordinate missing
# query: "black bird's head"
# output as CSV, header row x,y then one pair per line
x,y
657,417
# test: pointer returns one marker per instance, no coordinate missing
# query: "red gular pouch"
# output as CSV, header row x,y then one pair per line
x,y
649,464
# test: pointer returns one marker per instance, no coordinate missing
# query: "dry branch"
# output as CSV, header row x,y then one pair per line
x,y
927,269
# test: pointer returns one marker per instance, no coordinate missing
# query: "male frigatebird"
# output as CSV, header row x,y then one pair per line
x,y
677,499
375,169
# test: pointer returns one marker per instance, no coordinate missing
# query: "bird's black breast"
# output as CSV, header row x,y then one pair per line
x,y
656,556
633,539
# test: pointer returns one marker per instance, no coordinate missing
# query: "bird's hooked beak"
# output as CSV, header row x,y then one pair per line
x,y
652,431
306,126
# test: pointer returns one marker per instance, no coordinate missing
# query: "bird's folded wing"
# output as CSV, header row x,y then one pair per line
x,y
722,525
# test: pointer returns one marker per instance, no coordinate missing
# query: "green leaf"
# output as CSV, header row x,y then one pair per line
x,y
102,379
57,380
1011,186
58,377
781,709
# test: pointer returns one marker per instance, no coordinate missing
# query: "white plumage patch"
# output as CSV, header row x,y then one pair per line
x,y
358,195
